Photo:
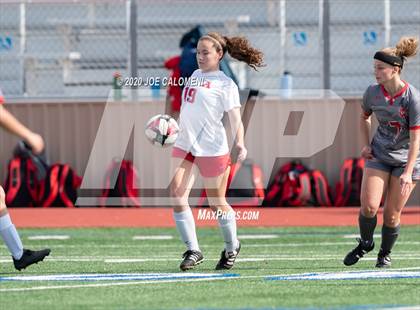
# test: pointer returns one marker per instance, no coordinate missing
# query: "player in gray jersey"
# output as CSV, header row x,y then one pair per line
x,y
392,157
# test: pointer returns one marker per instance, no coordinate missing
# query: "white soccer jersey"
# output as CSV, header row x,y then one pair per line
x,y
204,100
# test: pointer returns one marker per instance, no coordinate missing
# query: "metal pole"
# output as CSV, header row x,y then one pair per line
x,y
132,32
324,32
22,34
387,22
22,28
283,33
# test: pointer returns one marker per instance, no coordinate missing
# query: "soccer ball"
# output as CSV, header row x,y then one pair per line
x,y
162,130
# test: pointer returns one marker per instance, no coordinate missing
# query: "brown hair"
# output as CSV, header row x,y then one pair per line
x,y
237,47
406,47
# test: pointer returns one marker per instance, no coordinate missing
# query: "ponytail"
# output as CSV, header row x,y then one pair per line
x,y
238,48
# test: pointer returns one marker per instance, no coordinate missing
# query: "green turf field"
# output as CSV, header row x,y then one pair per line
x,y
144,274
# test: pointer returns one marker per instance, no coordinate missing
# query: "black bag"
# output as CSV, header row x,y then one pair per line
x,y
347,192
296,185
25,176
291,186
126,185
60,187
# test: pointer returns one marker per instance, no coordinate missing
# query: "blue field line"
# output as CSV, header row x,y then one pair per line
x,y
351,307
349,275
113,277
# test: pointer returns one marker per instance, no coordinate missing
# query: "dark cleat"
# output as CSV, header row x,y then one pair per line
x,y
191,259
384,260
30,257
358,252
227,259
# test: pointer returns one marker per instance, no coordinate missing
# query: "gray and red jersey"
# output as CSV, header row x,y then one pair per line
x,y
397,115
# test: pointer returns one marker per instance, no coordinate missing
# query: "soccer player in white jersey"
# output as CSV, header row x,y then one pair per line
x,y
22,258
392,158
203,141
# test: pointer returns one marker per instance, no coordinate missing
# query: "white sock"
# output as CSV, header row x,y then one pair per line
x,y
11,236
186,227
227,223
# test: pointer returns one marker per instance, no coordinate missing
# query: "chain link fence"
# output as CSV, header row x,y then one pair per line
x,y
72,49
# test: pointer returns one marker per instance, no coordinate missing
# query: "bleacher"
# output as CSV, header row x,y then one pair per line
x,y
72,49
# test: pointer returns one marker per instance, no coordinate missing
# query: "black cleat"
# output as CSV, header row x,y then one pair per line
x,y
384,260
30,257
357,253
227,259
191,259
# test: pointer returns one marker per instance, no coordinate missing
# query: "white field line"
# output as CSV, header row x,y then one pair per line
x,y
401,308
116,260
131,283
43,288
156,237
241,237
258,237
248,245
177,256
354,236
48,237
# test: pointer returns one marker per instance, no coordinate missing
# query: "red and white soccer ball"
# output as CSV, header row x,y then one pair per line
x,y
162,130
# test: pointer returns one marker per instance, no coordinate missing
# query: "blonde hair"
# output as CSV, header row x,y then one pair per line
x,y
237,47
406,47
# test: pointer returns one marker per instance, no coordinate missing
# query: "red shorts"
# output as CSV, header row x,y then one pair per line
x,y
209,166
